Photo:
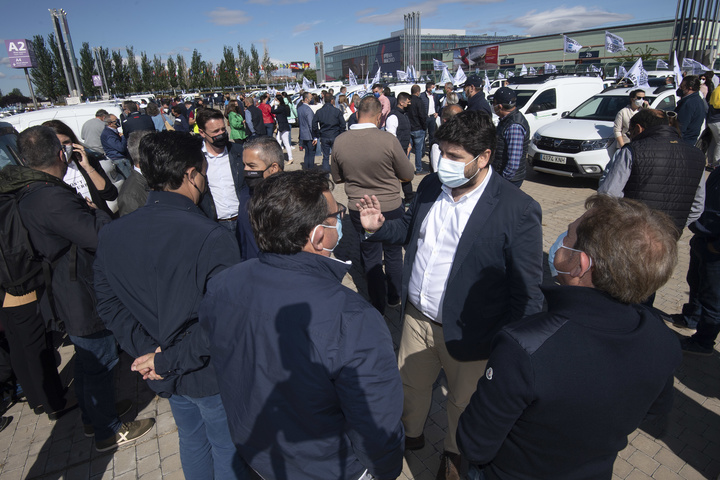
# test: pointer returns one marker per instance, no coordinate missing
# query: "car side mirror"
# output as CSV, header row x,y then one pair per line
x,y
564,114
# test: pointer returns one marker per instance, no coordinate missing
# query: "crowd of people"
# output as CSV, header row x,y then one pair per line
x,y
216,273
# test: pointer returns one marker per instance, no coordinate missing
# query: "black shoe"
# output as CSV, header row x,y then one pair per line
x,y
394,302
449,466
414,443
693,348
69,405
678,320
122,407
4,422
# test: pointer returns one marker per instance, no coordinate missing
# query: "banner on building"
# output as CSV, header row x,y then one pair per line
x,y
484,56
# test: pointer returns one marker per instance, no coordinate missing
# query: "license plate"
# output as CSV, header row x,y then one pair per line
x,y
553,159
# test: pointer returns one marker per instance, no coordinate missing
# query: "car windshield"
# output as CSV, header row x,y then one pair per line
x,y
602,107
523,96
8,148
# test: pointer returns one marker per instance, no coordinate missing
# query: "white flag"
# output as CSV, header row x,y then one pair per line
x,y
367,75
438,65
677,71
523,70
306,84
613,43
638,75
352,80
446,76
409,74
376,78
615,73
460,76
661,65
500,75
402,76
570,45
622,73
697,67
413,75
486,87
511,74
549,68
532,71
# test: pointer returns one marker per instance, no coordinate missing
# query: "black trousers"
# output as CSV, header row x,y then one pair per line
x,y
383,286
32,356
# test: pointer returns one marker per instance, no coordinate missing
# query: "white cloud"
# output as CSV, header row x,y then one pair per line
x,y
426,8
5,61
563,19
223,16
2,75
303,27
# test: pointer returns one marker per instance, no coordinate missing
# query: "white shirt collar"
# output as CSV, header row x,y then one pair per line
x,y
475,192
205,151
362,126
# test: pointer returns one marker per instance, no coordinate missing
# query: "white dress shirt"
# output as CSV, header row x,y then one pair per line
x,y
439,236
221,184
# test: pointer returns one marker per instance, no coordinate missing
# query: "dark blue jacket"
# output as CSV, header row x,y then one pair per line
x,y
478,103
328,122
151,270
181,124
114,145
244,231
308,375
136,122
691,112
708,225
497,269
235,151
305,121
565,388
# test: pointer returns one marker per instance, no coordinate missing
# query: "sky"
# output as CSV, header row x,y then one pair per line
x,y
289,28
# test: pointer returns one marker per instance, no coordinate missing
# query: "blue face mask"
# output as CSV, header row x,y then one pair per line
x,y
337,227
553,250
377,94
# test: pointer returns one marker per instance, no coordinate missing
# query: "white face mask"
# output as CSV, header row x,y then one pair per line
x,y
639,102
452,173
702,81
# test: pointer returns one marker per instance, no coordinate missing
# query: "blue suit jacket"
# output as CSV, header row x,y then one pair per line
x,y
235,151
305,119
497,270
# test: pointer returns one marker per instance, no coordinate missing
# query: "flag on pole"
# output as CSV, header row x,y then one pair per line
x,y
697,67
446,76
409,74
523,70
510,74
500,75
677,71
413,74
622,73
306,84
486,86
549,68
532,71
376,78
638,75
661,65
460,76
366,80
402,76
570,45
438,65
613,43
352,79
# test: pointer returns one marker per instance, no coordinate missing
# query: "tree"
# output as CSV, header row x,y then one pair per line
x,y
631,55
243,63
43,76
227,74
136,83
310,74
107,66
172,73
61,86
160,75
146,72
196,69
121,74
182,73
254,64
267,65
87,69
13,98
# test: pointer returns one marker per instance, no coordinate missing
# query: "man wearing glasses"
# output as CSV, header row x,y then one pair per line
x,y
309,377
115,145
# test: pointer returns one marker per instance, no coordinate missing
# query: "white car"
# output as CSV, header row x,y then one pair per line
x,y
582,143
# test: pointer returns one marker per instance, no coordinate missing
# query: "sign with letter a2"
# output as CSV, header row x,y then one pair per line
x,y
20,53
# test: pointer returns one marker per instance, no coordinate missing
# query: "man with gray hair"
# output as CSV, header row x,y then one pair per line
x,y
306,140
591,368
134,190
262,157
92,129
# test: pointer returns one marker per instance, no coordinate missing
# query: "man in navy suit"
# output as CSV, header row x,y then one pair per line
x,y
473,264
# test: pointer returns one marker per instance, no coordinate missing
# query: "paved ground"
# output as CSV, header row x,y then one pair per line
x,y
686,447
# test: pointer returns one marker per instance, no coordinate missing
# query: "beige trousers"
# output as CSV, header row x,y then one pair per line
x,y
422,354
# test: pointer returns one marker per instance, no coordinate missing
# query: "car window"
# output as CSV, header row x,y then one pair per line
x,y
667,103
547,100
600,107
8,150
523,96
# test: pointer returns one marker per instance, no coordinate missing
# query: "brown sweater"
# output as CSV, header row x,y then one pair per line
x,y
370,162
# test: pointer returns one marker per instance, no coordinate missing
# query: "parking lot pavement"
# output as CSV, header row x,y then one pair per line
x,y
685,446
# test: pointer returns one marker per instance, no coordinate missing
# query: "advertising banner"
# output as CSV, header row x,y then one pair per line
x,y
483,57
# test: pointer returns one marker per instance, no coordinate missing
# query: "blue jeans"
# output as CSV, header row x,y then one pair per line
x,y
474,473
95,357
269,128
326,147
418,141
230,225
206,448
309,161
703,278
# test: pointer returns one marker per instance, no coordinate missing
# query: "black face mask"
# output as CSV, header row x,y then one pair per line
x,y
220,141
254,177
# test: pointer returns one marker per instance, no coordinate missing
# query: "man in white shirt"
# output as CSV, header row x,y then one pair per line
x,y
225,169
622,119
473,263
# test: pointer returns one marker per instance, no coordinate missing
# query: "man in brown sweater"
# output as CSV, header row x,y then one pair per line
x,y
371,161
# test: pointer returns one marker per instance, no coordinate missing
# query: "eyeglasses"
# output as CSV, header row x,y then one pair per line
x,y
340,213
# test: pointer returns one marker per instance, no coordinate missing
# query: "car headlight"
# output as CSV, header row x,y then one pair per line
x,y
536,138
601,144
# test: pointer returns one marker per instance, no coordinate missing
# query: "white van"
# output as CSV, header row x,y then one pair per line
x,y
544,98
74,116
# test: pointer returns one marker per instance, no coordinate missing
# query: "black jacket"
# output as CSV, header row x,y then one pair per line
x,y
500,157
497,268
281,112
477,103
328,122
99,197
133,193
563,389
417,114
403,129
57,218
665,172
136,122
151,271
235,151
